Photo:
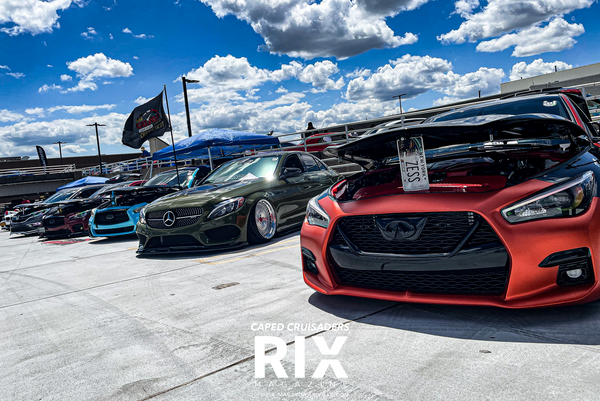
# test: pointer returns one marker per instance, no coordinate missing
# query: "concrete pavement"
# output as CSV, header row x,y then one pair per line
x,y
89,320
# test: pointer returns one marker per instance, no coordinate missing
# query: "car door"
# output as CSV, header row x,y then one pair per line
x,y
289,195
317,179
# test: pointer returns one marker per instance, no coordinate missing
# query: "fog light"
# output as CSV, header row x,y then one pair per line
x,y
575,273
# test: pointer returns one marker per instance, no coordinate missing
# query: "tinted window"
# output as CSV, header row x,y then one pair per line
x,y
292,161
310,163
543,105
61,195
322,166
169,178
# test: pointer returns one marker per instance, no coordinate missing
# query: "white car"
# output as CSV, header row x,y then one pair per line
x,y
5,223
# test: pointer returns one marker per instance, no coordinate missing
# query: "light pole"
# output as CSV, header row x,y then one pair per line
x,y
185,81
399,100
59,149
98,141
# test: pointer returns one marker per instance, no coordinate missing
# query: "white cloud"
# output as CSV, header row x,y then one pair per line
x,y
4,67
536,67
318,74
81,86
81,109
555,37
329,28
7,116
91,32
93,67
281,89
21,137
359,72
46,88
140,36
32,16
49,66
66,77
16,74
110,35
141,100
135,57
499,17
37,111
414,75
74,149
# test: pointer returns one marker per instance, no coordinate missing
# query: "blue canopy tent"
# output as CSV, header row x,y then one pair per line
x,y
216,142
83,182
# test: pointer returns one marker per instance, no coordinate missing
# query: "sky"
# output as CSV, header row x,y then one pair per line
x,y
265,65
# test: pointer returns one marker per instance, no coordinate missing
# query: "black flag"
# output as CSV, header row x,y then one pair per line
x,y
42,154
145,122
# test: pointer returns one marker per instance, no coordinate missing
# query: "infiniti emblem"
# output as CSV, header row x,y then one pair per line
x,y
408,229
110,217
169,218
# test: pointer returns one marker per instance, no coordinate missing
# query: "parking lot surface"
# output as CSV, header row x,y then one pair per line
x,y
87,319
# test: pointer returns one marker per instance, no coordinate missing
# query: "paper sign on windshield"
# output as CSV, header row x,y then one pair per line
x,y
413,166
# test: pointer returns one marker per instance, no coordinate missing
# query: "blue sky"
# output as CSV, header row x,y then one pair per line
x,y
265,64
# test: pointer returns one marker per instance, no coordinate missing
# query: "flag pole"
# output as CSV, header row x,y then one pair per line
x,y
172,140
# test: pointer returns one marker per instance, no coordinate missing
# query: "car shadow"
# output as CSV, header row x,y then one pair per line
x,y
579,324
112,240
233,250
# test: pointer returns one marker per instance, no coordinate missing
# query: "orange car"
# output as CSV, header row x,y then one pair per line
x,y
496,210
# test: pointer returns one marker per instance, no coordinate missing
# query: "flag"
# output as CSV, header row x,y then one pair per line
x,y
145,122
42,154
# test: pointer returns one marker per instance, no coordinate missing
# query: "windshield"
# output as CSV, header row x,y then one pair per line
x,y
108,188
61,195
169,178
244,169
542,105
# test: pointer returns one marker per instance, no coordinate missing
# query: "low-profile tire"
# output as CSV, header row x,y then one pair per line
x,y
262,222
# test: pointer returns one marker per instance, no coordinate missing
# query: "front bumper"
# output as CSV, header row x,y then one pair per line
x,y
126,221
527,245
203,235
17,227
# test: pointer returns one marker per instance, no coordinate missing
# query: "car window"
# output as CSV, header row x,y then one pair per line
x,y
61,195
169,178
322,166
310,164
292,161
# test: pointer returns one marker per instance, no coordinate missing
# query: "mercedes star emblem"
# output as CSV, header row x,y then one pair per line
x,y
169,218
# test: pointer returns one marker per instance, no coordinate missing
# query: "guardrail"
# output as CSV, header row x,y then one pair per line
x,y
28,171
311,141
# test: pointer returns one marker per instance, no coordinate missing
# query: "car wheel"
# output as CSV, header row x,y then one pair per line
x,y
262,224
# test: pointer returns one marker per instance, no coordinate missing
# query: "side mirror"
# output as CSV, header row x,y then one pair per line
x,y
289,172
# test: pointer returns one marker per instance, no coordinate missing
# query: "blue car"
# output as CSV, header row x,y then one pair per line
x,y
121,215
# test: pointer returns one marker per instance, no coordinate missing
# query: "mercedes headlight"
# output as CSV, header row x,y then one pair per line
x,y
315,214
566,199
142,211
226,207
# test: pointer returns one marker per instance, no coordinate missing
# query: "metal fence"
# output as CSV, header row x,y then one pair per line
x,y
28,171
312,141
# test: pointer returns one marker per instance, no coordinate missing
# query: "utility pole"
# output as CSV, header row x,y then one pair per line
x,y
399,100
59,149
98,141
185,81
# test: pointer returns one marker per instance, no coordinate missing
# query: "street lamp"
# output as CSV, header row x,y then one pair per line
x,y
185,99
399,100
59,149
98,141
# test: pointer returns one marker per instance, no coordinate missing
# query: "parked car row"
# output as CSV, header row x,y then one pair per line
x,y
494,204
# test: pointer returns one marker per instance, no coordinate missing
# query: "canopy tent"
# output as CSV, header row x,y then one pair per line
x,y
90,180
220,143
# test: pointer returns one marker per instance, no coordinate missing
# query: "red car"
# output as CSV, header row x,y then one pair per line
x,y
319,142
495,210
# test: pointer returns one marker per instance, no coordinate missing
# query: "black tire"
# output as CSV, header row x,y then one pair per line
x,y
254,234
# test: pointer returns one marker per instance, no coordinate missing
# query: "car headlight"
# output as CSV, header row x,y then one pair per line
x,y
137,209
566,199
79,215
225,207
315,214
142,211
